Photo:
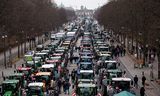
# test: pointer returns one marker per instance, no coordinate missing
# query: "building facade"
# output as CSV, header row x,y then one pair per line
x,y
84,12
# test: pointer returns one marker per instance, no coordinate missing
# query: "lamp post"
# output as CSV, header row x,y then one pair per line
x,y
4,46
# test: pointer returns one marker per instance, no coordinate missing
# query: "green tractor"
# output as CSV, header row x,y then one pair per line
x,y
36,89
11,88
33,64
113,73
18,76
86,89
26,70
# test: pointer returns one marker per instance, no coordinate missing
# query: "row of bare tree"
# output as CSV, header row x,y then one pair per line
x,y
29,18
136,20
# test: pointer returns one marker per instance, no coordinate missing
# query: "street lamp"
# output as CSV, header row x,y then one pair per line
x,y
4,46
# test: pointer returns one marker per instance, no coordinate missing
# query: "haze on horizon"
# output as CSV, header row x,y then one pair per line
x,y
76,4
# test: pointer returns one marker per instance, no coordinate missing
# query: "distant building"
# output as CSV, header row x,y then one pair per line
x,y
84,12
69,8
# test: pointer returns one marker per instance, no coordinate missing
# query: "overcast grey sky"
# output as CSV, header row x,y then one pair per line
x,y
90,4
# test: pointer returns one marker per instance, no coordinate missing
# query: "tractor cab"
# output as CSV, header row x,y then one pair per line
x,y
110,65
28,57
11,88
86,89
103,49
17,76
104,56
86,66
26,70
43,77
86,59
124,84
90,54
39,47
36,89
33,64
114,73
37,58
86,76
47,68
43,55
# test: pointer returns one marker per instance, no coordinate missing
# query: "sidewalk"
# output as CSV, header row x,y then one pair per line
x,y
9,71
71,90
153,88
70,67
14,52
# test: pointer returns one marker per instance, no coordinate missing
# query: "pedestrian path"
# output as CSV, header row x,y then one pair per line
x,y
70,67
14,52
152,89
8,71
71,90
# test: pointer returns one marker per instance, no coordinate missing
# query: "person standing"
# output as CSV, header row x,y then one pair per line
x,y
118,50
121,50
73,75
67,87
143,80
59,85
64,86
53,83
71,58
136,81
142,91
124,51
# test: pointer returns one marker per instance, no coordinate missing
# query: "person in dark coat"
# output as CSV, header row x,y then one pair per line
x,y
73,75
118,50
121,50
59,85
142,91
124,51
136,81
67,85
71,58
143,80
64,86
